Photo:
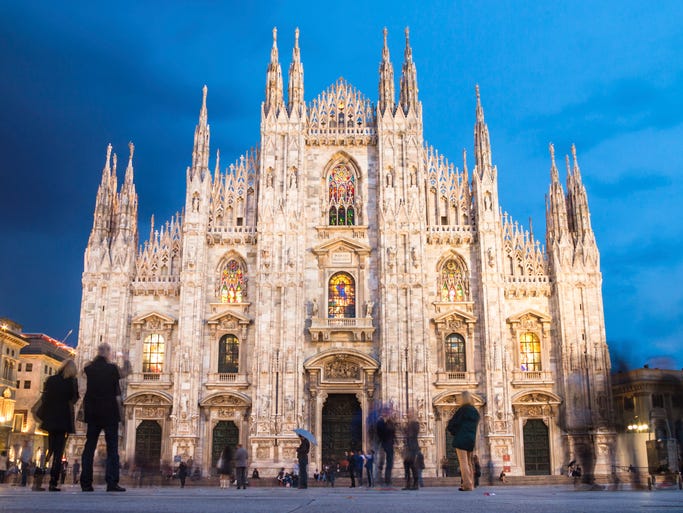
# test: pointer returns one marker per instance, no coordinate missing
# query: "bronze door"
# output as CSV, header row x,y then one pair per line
x,y
536,448
224,433
148,445
342,427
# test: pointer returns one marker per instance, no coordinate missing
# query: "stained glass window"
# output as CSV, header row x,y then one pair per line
x,y
153,353
454,285
341,301
530,352
228,354
455,353
341,184
233,287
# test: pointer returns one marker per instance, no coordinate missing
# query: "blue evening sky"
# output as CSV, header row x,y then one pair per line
x,y
607,76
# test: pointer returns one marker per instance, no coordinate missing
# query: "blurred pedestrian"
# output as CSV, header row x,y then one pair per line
x,y
65,470
224,467
351,457
3,466
410,452
463,427
101,407
57,415
420,468
75,470
241,466
386,433
369,467
302,456
182,473
25,457
444,466
477,470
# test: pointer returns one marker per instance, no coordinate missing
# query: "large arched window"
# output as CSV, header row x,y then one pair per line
x,y
233,287
341,186
228,354
341,302
153,353
454,284
455,353
529,352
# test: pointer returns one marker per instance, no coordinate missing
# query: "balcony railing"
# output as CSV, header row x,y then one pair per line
x,y
322,327
159,378
446,378
226,379
532,377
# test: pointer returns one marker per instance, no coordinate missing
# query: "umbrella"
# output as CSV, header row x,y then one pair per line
x,y
306,434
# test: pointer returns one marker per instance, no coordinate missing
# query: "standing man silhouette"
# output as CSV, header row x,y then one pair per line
x,y
302,456
101,410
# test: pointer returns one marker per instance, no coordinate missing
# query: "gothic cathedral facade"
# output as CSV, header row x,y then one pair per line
x,y
342,265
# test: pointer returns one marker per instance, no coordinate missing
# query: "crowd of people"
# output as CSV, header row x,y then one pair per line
x,y
102,413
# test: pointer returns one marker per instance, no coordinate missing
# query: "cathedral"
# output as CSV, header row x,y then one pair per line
x,y
341,266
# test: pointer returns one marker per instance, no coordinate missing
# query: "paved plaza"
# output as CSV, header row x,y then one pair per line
x,y
507,499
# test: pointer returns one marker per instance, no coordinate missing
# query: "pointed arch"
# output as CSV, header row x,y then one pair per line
x,y
453,281
342,177
341,298
232,279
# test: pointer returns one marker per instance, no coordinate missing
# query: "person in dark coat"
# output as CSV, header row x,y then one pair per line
x,y
302,455
351,457
241,457
463,427
57,415
386,432
182,473
225,468
410,452
101,412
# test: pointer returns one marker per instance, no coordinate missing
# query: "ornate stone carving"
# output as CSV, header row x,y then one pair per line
x,y
342,368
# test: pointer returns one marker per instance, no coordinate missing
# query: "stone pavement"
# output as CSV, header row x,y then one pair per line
x,y
517,499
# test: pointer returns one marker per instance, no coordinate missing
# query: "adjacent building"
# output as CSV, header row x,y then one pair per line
x,y
648,406
11,344
342,265
39,359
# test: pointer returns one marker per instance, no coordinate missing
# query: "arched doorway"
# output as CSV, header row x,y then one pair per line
x,y
148,445
342,426
536,448
224,433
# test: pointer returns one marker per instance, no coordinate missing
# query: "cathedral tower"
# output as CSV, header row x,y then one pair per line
x,y
580,330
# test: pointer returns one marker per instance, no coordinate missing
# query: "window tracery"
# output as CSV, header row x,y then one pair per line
x,y
341,186
153,353
455,353
530,352
454,286
341,296
233,287
228,354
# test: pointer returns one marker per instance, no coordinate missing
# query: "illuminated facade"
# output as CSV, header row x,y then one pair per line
x,y
39,360
11,343
342,264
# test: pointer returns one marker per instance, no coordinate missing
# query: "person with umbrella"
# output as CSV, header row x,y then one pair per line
x,y
302,456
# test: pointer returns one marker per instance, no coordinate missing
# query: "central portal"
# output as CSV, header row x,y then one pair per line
x,y
342,427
